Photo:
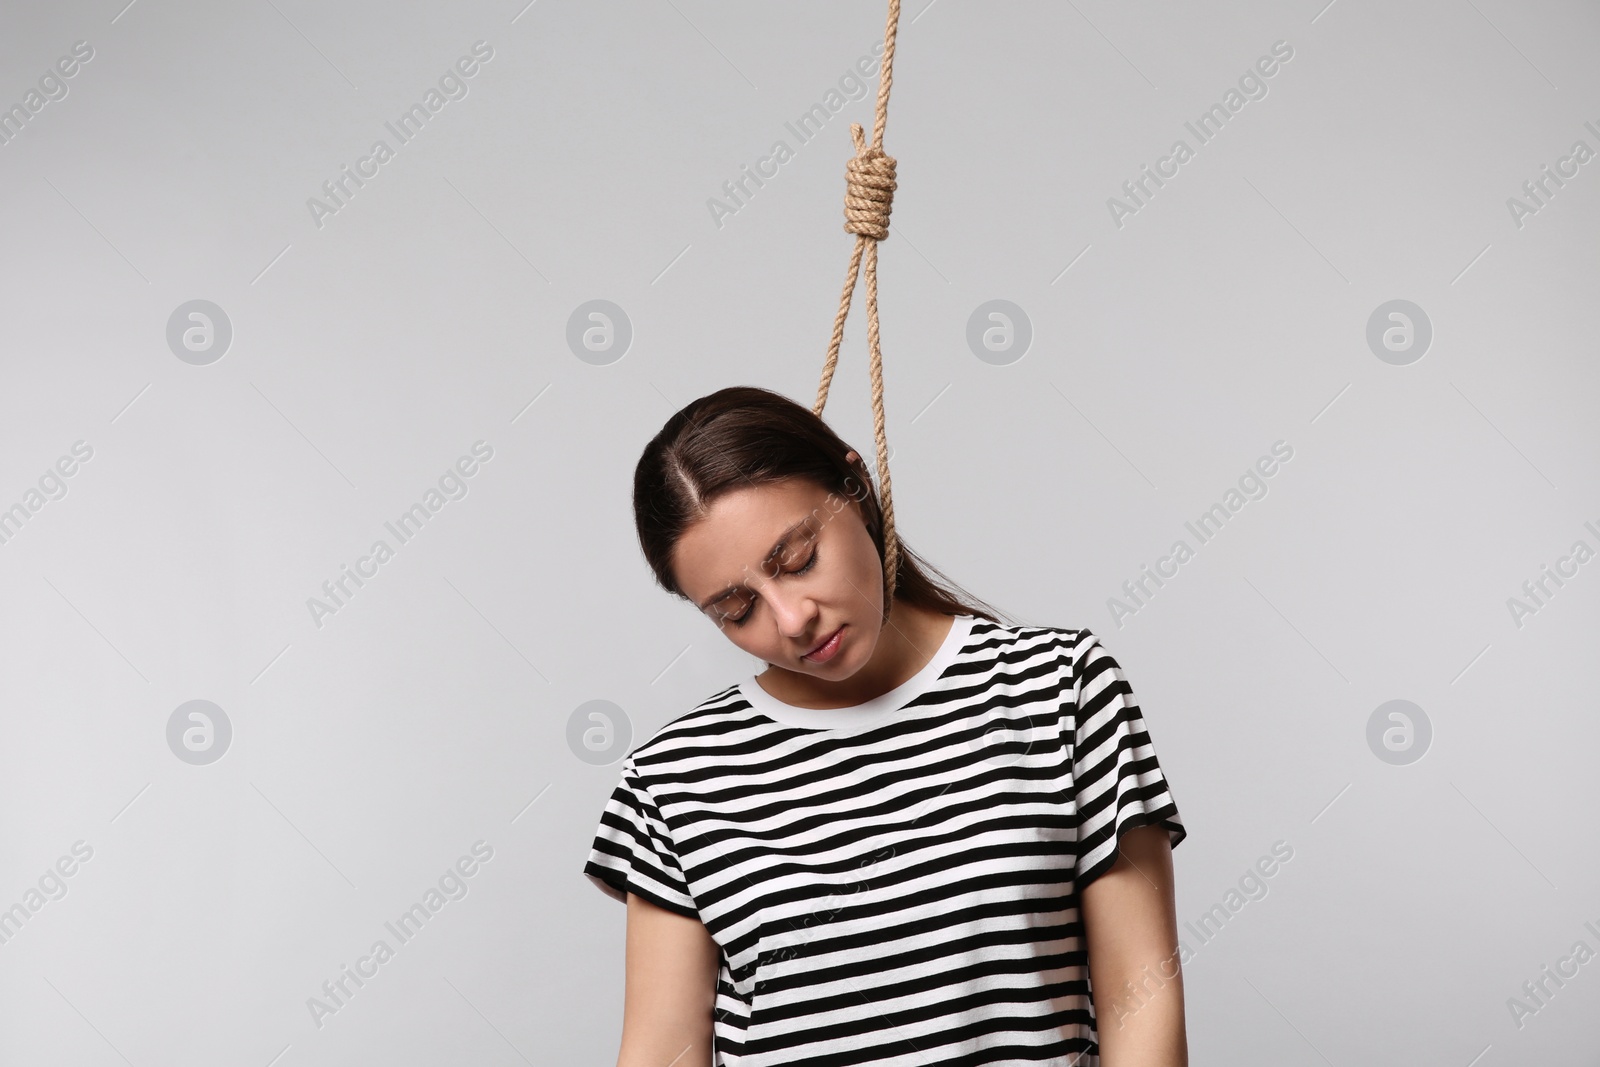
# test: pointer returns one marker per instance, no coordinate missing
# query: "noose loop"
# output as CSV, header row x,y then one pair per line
x,y
869,189
869,195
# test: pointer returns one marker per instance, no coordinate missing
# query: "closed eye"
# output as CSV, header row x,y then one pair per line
x,y
742,619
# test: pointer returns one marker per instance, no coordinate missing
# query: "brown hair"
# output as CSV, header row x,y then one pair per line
x,y
748,436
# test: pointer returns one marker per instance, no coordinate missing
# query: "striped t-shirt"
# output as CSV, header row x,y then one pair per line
x,y
897,883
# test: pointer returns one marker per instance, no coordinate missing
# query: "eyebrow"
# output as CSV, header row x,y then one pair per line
x,y
783,541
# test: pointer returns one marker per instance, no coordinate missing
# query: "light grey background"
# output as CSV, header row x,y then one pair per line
x,y
433,709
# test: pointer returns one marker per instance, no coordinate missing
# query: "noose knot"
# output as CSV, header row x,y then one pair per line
x,y
869,189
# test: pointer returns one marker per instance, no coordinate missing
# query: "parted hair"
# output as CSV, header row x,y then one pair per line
x,y
748,436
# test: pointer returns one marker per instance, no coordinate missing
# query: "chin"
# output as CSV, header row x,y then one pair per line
x,y
831,672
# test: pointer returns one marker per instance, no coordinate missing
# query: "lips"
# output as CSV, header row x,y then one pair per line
x,y
828,649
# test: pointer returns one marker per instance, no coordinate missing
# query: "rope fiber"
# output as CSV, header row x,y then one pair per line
x,y
869,195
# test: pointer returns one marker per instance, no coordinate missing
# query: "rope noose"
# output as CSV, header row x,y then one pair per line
x,y
869,194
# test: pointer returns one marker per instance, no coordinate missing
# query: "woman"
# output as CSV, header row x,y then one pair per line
x,y
919,837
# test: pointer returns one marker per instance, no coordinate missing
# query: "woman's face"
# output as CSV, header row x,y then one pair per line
x,y
781,569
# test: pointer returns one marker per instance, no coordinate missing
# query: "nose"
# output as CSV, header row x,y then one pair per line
x,y
794,612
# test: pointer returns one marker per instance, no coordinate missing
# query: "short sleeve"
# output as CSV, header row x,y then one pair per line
x,y
1118,783
633,850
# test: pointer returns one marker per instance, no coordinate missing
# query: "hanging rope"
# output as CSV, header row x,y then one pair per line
x,y
869,194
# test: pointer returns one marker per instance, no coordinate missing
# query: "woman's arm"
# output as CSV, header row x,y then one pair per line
x,y
671,985
1131,924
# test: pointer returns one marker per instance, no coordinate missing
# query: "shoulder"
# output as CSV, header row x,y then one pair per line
x,y
1019,642
1040,661
1074,657
707,725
